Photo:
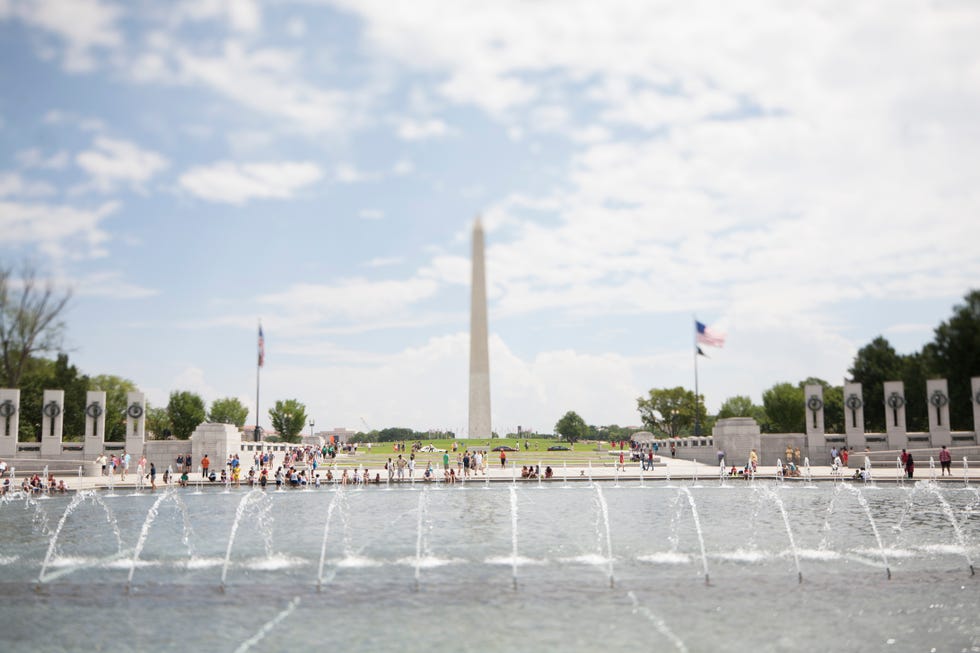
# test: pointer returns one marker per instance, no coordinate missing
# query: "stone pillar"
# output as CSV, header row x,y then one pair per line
x,y
52,422
815,443
854,415
975,398
937,396
737,437
814,410
9,421
135,423
895,428
479,417
218,441
94,423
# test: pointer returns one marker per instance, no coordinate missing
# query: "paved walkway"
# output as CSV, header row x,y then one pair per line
x,y
667,468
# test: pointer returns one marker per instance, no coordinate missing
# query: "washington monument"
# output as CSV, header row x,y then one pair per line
x,y
479,354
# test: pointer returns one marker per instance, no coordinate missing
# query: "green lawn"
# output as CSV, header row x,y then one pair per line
x,y
580,455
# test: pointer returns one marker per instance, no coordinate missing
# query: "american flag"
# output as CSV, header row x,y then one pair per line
x,y
261,347
708,336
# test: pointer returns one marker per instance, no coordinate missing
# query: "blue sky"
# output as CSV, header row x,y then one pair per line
x,y
802,178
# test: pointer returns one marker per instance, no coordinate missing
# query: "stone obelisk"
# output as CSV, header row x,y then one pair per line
x,y
479,353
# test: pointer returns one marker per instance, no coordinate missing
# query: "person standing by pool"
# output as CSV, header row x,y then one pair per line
x,y
153,476
400,465
945,460
411,466
205,463
445,461
909,465
503,459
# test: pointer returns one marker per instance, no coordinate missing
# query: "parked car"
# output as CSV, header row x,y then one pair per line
x,y
559,447
431,449
504,447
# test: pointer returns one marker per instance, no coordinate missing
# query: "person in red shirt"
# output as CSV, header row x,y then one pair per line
x,y
945,460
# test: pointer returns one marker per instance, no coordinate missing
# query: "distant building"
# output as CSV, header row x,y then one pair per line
x,y
248,433
339,434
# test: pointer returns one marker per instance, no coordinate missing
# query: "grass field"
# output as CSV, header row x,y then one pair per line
x,y
537,451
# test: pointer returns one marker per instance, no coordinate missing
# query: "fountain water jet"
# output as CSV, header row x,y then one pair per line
x,y
697,524
948,511
658,623
254,496
151,514
871,520
513,533
265,629
789,531
605,519
326,532
423,502
76,501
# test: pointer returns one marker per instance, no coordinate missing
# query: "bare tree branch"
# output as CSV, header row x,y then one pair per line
x,y
30,320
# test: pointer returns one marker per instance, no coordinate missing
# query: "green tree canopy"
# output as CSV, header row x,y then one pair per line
x,y
954,355
157,423
186,412
742,406
785,410
36,377
228,411
572,427
671,411
115,388
66,377
288,417
874,364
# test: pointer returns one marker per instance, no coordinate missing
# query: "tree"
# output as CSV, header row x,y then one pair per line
x,y
66,377
116,388
784,408
671,411
874,364
571,427
185,412
954,355
833,404
30,321
742,406
157,423
288,417
228,411
36,377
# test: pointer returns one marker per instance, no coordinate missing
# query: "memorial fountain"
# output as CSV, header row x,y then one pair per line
x,y
248,563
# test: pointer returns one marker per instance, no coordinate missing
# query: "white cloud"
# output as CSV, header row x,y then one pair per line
x,y
267,81
347,173
35,158
384,261
14,185
420,130
108,284
113,162
84,26
57,230
370,214
240,15
403,167
235,183
353,298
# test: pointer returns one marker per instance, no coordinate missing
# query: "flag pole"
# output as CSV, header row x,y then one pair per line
x,y
258,369
697,396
